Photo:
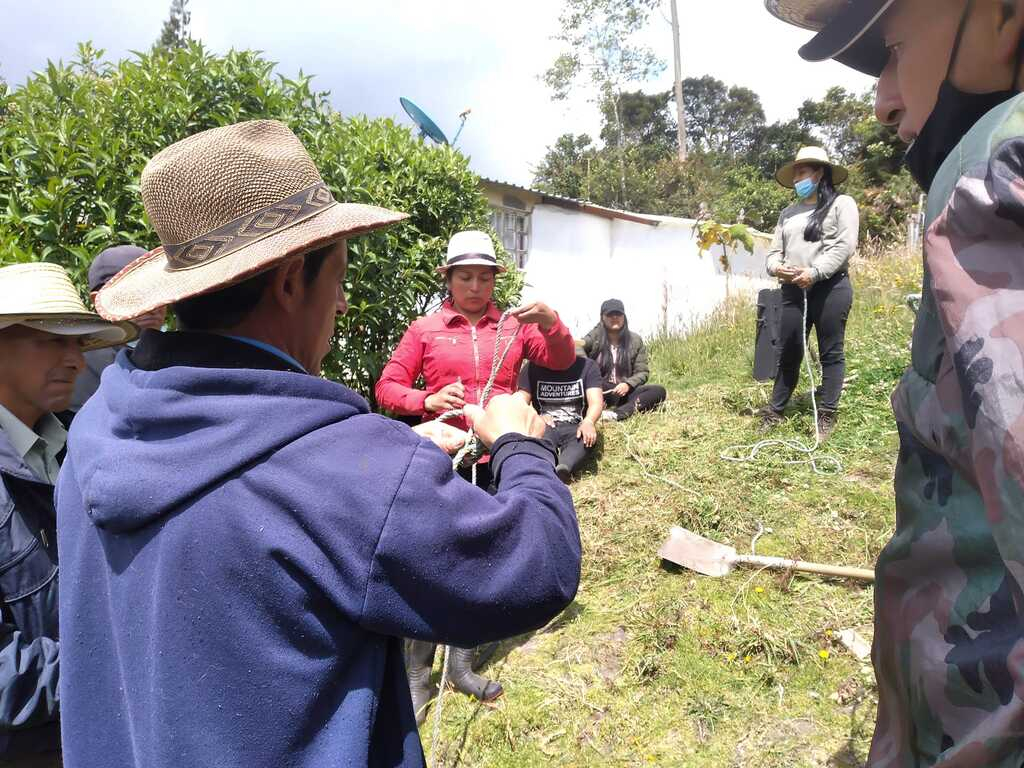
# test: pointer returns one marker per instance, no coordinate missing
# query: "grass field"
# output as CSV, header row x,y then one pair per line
x,y
656,666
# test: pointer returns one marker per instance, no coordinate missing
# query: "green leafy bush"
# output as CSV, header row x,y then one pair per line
x,y
750,197
74,139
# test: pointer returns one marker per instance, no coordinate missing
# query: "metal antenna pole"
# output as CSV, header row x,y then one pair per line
x,y
463,115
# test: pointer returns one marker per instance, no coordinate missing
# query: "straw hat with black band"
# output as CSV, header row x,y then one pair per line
x,y
810,156
228,204
847,30
42,296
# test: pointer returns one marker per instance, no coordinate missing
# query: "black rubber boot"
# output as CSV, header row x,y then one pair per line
x,y
769,419
827,423
419,661
463,679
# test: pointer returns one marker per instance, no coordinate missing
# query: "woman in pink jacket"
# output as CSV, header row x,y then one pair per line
x,y
453,350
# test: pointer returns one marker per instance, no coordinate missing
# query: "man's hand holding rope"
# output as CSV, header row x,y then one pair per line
x,y
504,414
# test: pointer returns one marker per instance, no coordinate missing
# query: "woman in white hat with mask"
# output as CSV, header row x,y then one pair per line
x,y
814,241
453,351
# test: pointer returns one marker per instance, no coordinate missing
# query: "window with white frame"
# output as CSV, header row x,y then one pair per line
x,y
513,227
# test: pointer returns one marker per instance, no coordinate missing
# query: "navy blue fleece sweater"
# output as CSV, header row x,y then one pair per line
x,y
241,546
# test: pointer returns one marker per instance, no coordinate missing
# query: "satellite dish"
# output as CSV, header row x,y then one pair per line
x,y
428,128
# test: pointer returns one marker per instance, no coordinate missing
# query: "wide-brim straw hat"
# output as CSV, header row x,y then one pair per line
x,y
227,204
470,248
42,296
848,30
810,156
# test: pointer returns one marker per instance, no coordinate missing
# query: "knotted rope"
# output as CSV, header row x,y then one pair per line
x,y
472,447
473,450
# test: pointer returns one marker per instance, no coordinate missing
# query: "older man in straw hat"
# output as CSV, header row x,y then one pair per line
x,y
244,543
44,328
949,598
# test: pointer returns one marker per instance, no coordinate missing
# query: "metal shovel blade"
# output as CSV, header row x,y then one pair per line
x,y
702,555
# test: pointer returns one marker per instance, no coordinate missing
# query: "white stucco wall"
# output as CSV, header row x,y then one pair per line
x,y
577,260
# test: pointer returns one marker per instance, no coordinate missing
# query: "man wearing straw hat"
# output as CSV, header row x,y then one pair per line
x,y
243,542
44,328
949,595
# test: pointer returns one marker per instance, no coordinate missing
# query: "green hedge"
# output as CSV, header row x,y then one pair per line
x,y
74,139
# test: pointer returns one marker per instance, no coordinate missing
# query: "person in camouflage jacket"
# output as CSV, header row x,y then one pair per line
x,y
949,598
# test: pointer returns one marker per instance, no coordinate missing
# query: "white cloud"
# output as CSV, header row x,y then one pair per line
x,y
446,56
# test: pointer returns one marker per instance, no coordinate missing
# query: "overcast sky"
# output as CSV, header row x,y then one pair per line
x,y
445,55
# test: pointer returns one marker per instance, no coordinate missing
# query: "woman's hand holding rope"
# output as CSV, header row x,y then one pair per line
x,y
802,277
536,312
449,398
620,389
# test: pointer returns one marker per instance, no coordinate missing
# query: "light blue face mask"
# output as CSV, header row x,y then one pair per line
x,y
805,188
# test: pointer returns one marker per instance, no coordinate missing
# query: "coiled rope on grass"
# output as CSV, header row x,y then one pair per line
x,y
821,464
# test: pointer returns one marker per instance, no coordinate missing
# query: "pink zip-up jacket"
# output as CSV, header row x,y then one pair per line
x,y
444,347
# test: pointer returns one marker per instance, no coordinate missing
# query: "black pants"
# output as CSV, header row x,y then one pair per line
x,y
646,397
571,450
483,476
828,307
43,760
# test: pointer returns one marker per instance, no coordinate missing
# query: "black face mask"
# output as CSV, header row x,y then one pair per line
x,y
955,113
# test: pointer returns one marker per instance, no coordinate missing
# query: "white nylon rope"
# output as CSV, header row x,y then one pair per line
x,y
471,448
820,464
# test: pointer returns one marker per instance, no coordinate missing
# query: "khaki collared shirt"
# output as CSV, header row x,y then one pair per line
x,y
38,448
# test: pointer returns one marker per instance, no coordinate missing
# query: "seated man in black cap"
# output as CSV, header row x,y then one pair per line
x,y
570,402
107,264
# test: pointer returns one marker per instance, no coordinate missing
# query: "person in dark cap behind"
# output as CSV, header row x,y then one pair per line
x,y
107,264
622,358
949,591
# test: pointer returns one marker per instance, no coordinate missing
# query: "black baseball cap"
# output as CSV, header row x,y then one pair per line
x,y
109,262
848,30
613,305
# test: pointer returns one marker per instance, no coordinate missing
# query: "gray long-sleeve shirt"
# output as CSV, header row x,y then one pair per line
x,y
826,257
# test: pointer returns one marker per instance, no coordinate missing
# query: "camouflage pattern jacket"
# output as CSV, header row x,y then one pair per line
x,y
949,635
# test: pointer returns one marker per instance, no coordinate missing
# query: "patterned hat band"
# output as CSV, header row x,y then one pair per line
x,y
248,229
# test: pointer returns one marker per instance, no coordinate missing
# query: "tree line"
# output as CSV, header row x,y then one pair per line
x,y
733,155
635,162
